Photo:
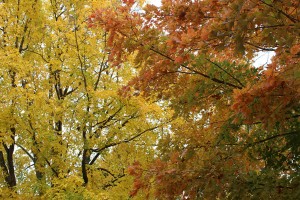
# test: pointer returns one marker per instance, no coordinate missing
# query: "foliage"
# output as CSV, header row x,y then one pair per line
x,y
115,99
238,132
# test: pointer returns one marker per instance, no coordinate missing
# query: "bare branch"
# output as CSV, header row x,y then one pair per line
x,y
117,143
30,156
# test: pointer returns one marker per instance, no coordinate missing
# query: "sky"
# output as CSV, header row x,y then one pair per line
x,y
155,2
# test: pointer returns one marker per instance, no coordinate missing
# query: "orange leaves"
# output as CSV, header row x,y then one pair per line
x,y
205,34
137,185
269,101
129,2
179,60
135,169
242,101
188,37
295,49
119,25
163,173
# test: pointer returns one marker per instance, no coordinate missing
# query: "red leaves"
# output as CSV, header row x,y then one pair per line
x,y
129,2
124,91
120,25
137,185
136,171
95,19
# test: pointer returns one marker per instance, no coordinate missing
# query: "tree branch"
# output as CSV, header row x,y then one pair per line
x,y
261,48
272,137
107,171
30,156
117,143
102,123
280,11
217,65
195,71
185,66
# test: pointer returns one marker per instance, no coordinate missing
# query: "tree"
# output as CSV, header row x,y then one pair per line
x,y
65,131
243,121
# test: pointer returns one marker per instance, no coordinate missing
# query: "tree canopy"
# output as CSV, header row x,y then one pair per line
x,y
127,100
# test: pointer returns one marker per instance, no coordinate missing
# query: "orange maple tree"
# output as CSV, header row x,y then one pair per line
x,y
198,56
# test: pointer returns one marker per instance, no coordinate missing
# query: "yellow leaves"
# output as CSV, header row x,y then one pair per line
x,y
48,92
106,94
71,188
10,57
7,193
5,138
144,107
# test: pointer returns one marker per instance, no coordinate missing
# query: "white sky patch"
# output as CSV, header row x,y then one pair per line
x,y
154,2
263,58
